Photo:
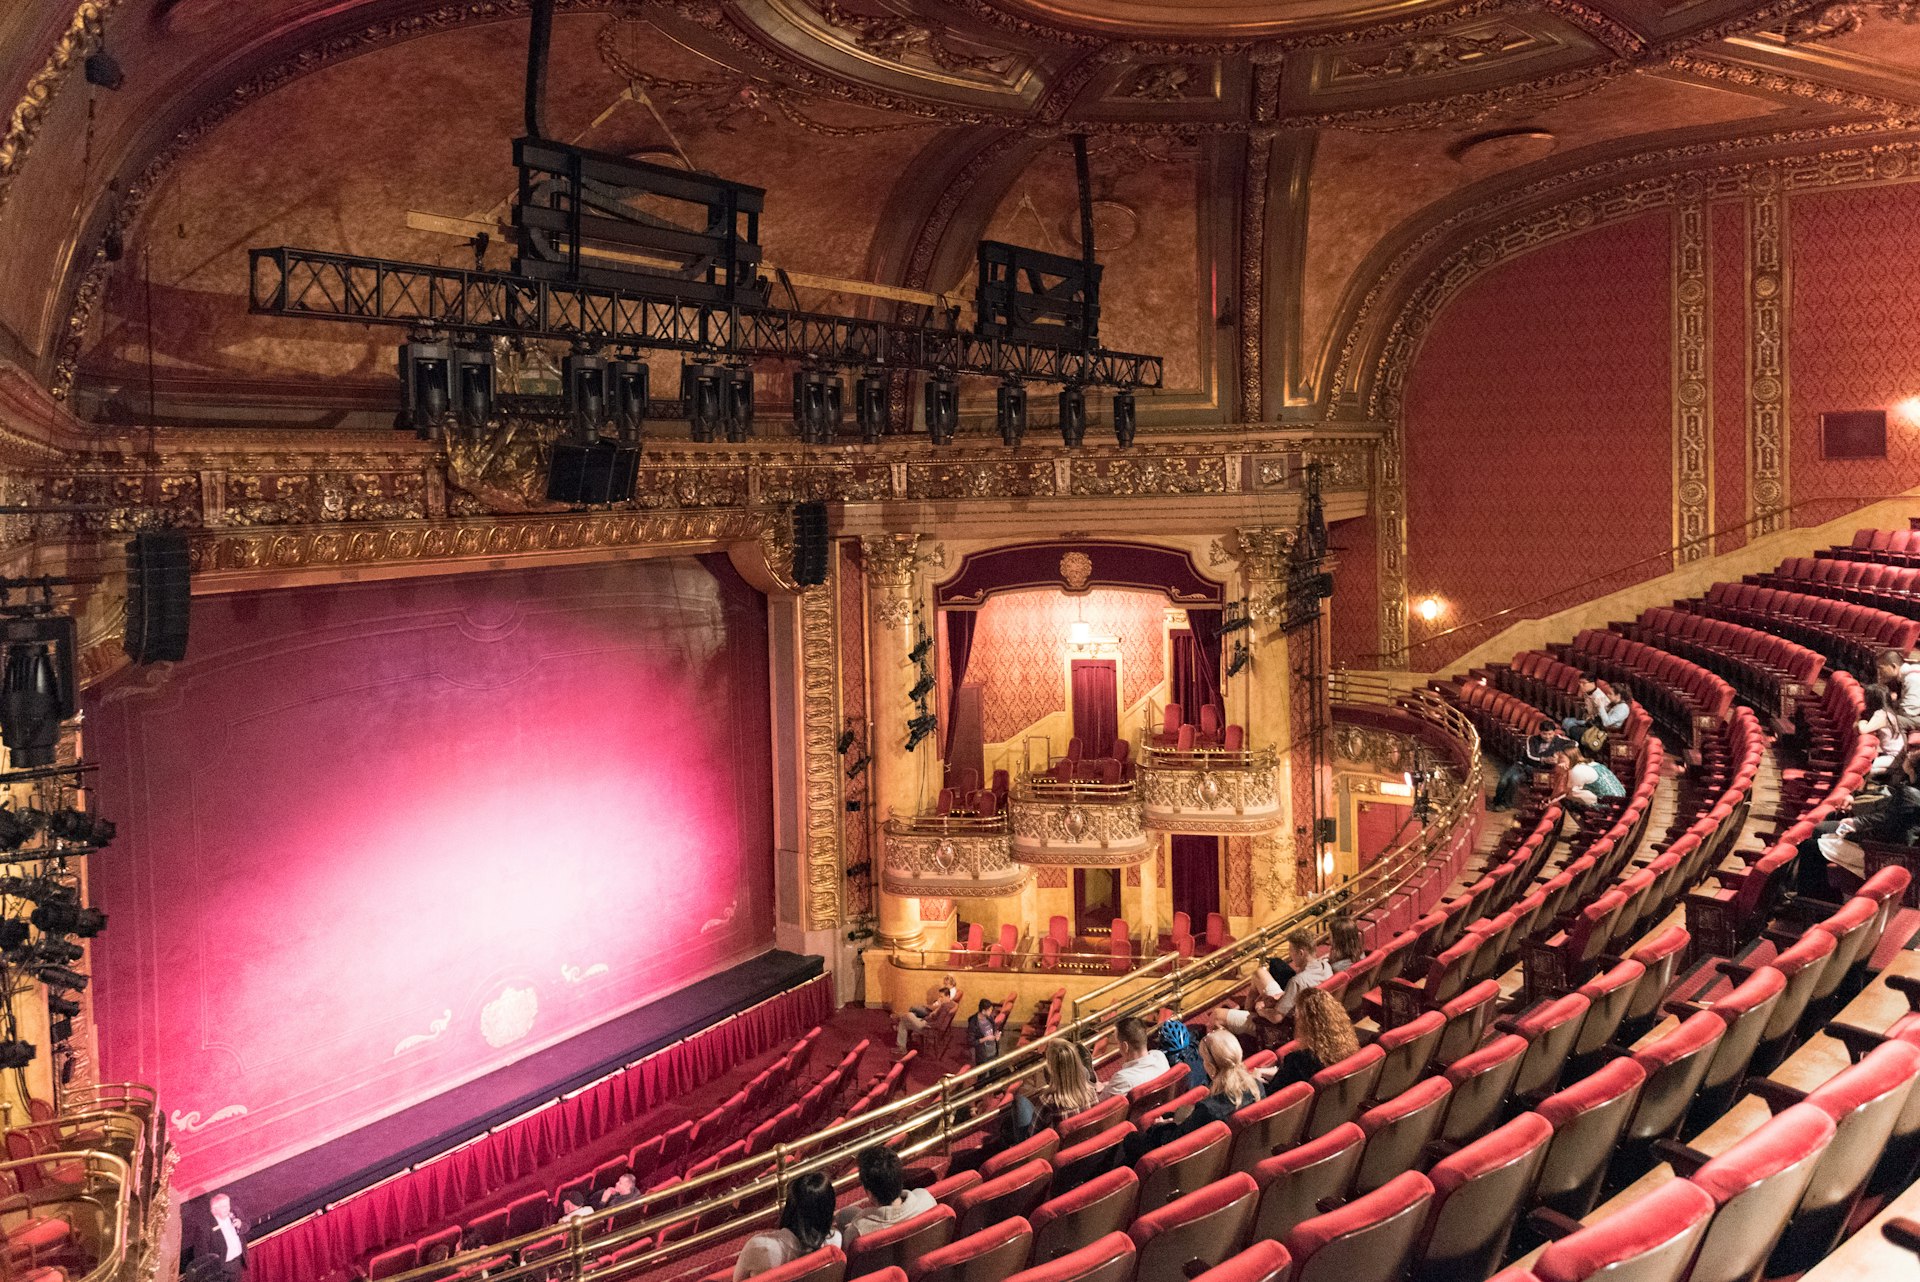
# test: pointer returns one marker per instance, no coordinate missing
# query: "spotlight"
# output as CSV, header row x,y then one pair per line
x,y
62,1007
16,1054
58,951
1123,417
13,934
1242,656
1073,415
473,385
845,742
1010,411
426,387
818,397
738,403
943,407
30,703
701,386
919,728
18,826
920,649
59,1031
921,688
870,406
585,378
69,919
103,69
629,383
59,977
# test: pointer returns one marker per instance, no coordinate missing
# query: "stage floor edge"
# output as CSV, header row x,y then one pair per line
x,y
302,1184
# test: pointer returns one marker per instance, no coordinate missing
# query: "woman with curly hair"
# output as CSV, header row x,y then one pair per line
x,y
1325,1036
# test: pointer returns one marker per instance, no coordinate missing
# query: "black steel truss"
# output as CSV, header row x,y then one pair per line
x,y
348,287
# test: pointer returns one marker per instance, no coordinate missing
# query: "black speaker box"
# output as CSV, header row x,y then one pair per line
x,y
599,473
158,597
809,544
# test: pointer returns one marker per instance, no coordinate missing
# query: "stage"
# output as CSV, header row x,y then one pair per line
x,y
306,1182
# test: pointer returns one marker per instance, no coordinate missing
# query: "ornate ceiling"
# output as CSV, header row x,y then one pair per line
x,y
1264,173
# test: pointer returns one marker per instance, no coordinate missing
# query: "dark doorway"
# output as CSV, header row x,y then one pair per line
x,y
1196,877
1096,706
1096,898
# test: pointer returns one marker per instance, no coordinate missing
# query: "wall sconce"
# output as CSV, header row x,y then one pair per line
x,y
1429,608
1079,632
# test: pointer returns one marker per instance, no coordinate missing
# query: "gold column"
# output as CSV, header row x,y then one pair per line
x,y
1768,284
892,562
1265,690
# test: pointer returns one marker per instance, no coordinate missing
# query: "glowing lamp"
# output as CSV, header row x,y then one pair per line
x,y
1428,608
1908,411
1079,632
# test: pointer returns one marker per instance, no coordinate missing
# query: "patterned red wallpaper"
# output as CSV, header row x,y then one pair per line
x,y
1354,612
1727,317
1538,434
1853,337
1019,650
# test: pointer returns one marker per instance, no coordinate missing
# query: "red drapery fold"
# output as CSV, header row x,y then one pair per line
x,y
1196,676
959,626
1195,877
447,1188
1096,706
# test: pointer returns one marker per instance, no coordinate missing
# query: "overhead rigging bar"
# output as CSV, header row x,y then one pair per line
x,y
349,287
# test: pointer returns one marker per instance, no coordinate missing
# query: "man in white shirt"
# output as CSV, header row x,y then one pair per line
x,y
881,1177
1138,1064
220,1246
1272,1003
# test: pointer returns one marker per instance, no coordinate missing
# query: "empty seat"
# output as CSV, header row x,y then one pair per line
x,y
1294,1183
1398,1130
1011,1193
986,1255
1755,1186
1203,1228
1409,1049
1652,1240
1261,1262
1482,1081
1103,1205
1263,1128
1587,1119
1340,1089
1479,1193
1093,1154
1188,1163
1370,1239
1107,1259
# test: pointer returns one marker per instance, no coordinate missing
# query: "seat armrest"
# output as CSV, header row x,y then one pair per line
x,y
1683,1158
1775,1095
1551,1224
1857,1040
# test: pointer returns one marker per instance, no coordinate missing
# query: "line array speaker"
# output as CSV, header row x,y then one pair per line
x,y
158,597
599,473
809,544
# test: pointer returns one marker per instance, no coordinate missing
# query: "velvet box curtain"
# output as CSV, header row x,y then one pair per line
x,y
455,1185
1096,706
960,626
1196,877
1196,663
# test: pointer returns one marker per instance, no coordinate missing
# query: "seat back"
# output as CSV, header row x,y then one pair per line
x,y
1264,1128
1109,1258
1588,1118
1550,1031
986,1255
1340,1089
1090,1121
1755,1185
1174,1170
1370,1239
1041,1144
1398,1130
1651,1240
1090,1156
1608,995
1070,1221
1864,1102
1409,1050
1295,1182
1481,1082
1479,1193
827,1264
1675,1066
1150,1095
1013,1193
901,1245
1203,1228
1745,1011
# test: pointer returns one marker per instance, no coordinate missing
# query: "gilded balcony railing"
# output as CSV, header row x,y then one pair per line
x,y
744,1195
1211,790
1077,823
951,856
102,1168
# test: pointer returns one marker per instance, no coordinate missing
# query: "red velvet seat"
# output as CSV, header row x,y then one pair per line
x,y
901,1244
1092,1120
1261,1262
1479,1193
1078,1218
1409,1049
1174,1170
1674,1064
1755,1186
1370,1239
1204,1228
1293,1183
1482,1082
1652,1240
1265,1127
1012,1193
1149,1095
387,1264
1093,1154
1398,1130
1107,1259
1587,1119
986,1255
1041,1145
527,1214
1745,1012
1550,1030
1339,1090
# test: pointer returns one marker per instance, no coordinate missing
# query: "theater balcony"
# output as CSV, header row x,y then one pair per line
x,y
1210,790
951,857
1077,822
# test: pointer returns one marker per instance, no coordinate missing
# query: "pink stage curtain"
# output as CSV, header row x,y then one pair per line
x,y
1196,877
443,1189
1096,706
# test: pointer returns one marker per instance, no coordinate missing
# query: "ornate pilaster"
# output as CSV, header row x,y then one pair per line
x,y
1692,384
820,727
1767,284
892,563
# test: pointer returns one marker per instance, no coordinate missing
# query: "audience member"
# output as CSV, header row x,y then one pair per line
x,y
1175,1040
1614,719
1345,945
624,1189
1893,819
1325,1036
1883,723
1902,680
983,1034
885,1183
1590,782
1066,1087
1230,1087
1591,704
806,1225
1535,755
1272,1003
943,994
1139,1064
572,1208
216,1246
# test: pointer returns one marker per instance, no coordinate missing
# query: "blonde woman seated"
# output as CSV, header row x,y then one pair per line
x,y
1325,1034
1230,1087
1067,1086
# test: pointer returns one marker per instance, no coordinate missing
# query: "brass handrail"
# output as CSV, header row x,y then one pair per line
x,y
114,1236
947,825
1211,758
1032,788
952,1107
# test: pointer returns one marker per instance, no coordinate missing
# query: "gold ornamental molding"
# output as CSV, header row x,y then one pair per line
x,y
1212,799
892,561
84,32
1767,284
1107,834
1692,391
820,727
950,865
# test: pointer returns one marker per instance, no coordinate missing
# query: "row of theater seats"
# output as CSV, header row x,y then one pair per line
x,y
1553,688
1680,695
1848,634
1766,669
1893,588
1889,547
963,794
1177,734
1124,952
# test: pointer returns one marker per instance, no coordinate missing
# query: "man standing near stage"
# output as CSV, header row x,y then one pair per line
x,y
217,1244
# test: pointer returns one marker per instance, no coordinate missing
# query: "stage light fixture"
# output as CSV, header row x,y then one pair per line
x,y
13,934
738,404
1123,425
62,1007
818,405
426,386
473,385
942,407
702,388
18,826
920,649
844,742
81,827
69,919
870,405
1242,656
919,728
58,952
16,1054
629,382
1073,415
60,978
584,377
1010,411
921,688
30,703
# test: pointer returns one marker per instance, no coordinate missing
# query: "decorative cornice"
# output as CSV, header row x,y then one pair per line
x,y
82,36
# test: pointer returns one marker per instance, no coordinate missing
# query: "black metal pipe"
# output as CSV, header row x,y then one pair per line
x,y
539,36
1083,172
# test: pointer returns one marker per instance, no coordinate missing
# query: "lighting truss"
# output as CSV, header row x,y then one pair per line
x,y
348,287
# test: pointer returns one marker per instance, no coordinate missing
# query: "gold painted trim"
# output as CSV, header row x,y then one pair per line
x,y
1692,385
85,30
820,727
1767,286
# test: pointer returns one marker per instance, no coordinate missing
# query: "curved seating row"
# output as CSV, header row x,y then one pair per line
x,y
1848,634
1766,669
